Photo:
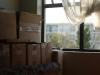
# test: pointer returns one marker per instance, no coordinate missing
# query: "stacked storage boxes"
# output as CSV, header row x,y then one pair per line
x,y
22,51
7,31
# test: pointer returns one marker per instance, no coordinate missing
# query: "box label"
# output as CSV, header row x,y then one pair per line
x,y
19,52
43,46
34,52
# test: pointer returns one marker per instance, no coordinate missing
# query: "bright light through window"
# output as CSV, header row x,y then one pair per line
x,y
59,31
91,37
59,1
48,2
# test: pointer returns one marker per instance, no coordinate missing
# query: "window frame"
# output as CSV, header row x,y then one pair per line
x,y
81,47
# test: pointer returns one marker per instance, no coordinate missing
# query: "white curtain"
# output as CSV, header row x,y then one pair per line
x,y
87,7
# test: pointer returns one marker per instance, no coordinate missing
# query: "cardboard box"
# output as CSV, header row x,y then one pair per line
x,y
46,50
30,27
7,25
4,55
18,54
17,40
34,57
57,56
30,31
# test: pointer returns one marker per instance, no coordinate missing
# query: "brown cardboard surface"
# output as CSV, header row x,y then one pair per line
x,y
46,50
18,54
8,30
17,40
49,46
2,14
30,18
57,56
34,37
7,15
11,16
4,55
34,57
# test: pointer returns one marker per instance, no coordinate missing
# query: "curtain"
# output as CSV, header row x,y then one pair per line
x,y
87,7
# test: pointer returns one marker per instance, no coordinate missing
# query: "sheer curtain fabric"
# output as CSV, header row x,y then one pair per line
x,y
87,7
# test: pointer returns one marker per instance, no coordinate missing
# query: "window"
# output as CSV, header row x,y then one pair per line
x,y
48,1
91,37
52,1
72,28
50,29
57,29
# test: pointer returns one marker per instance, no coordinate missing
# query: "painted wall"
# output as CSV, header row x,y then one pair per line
x,y
39,7
28,6
10,4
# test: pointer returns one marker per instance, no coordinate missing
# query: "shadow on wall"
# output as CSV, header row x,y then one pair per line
x,y
10,4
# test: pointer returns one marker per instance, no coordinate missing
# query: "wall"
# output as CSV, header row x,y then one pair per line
x,y
10,4
28,6
39,7
32,6
81,63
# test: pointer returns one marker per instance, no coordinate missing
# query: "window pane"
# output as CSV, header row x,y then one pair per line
x,y
60,1
59,31
74,0
48,2
57,1
91,37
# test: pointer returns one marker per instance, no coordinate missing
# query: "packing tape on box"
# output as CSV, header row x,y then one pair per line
x,y
6,11
29,27
34,29
2,10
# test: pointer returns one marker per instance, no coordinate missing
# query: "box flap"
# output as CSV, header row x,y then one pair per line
x,y
30,18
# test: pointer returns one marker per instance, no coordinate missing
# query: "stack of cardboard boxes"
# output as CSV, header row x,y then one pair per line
x,y
7,31
22,51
